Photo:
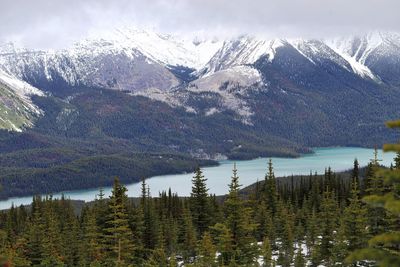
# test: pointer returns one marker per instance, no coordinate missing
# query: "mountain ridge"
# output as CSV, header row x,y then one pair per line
x,y
110,104
154,65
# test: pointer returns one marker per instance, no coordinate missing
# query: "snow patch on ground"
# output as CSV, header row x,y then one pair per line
x,y
212,111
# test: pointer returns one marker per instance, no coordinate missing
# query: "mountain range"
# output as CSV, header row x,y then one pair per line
x,y
144,93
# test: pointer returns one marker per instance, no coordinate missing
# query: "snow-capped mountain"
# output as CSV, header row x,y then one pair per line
x,y
241,51
180,71
167,49
105,102
96,63
122,59
375,54
356,54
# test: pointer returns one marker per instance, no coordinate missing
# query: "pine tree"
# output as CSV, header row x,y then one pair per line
x,y
271,195
355,174
224,243
354,220
171,234
51,244
206,251
376,216
36,233
151,234
70,233
17,253
157,259
189,234
397,161
118,232
384,247
238,220
199,202
287,240
340,248
299,260
92,239
266,253
328,223
313,230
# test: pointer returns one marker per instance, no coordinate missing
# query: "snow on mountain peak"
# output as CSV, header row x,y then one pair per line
x,y
241,51
163,48
357,49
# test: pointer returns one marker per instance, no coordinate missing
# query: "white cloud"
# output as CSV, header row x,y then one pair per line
x,y
57,23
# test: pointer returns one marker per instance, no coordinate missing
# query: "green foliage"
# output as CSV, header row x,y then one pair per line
x,y
272,222
266,253
200,202
354,220
118,233
206,251
299,260
239,223
383,248
87,136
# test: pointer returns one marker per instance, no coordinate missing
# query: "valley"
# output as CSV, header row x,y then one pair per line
x,y
137,104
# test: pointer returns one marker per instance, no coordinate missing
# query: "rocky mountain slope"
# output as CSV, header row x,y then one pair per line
x,y
159,66
16,108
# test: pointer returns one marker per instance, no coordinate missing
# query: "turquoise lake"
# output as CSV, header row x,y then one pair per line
x,y
338,158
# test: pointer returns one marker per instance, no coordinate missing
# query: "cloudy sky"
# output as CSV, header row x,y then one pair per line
x,y
58,23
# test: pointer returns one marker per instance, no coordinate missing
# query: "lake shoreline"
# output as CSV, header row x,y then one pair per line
x,y
339,158
208,162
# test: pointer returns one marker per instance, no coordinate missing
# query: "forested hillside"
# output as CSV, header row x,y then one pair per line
x,y
302,221
87,139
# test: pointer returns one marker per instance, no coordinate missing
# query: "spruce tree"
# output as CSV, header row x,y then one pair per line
x,y
51,243
299,260
354,220
199,202
285,233
92,239
340,248
206,251
266,253
224,243
376,215
328,223
157,259
36,233
355,174
118,232
189,234
313,231
270,191
397,161
151,232
238,220
70,233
